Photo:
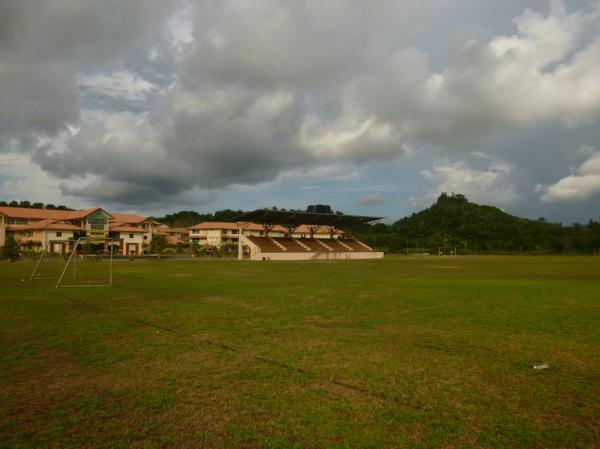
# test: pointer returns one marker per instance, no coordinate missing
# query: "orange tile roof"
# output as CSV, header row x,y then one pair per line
x,y
84,213
215,225
128,218
172,240
123,227
220,225
259,227
305,229
51,224
177,230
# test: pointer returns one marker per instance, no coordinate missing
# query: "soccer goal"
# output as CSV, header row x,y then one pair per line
x,y
87,263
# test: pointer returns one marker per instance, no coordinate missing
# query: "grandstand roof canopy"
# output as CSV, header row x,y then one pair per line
x,y
267,216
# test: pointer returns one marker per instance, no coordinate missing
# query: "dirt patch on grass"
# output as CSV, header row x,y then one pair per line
x,y
321,321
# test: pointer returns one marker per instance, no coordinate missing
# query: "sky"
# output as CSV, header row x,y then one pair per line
x,y
155,106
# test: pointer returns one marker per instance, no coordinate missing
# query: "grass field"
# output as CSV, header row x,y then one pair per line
x,y
404,352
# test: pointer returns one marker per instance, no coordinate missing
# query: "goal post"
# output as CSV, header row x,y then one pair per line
x,y
74,270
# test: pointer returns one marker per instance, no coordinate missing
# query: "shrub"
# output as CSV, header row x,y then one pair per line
x,y
10,250
158,244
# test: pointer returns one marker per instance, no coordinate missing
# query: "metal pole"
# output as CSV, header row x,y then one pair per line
x,y
110,278
75,263
62,275
38,262
240,248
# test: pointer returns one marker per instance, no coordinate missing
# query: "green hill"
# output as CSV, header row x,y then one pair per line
x,y
453,222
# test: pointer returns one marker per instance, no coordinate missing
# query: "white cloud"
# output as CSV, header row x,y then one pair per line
x,y
16,173
546,71
581,185
484,186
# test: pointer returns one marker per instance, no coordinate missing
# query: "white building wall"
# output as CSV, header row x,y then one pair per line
x,y
137,238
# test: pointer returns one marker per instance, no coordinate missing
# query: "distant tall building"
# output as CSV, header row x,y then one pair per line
x,y
319,209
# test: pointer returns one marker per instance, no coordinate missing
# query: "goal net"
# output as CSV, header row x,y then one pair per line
x,y
86,262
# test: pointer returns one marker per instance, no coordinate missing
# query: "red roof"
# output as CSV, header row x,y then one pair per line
x,y
174,230
215,225
128,218
51,224
173,240
305,229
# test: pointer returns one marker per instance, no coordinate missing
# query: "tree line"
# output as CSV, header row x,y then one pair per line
x,y
31,205
452,224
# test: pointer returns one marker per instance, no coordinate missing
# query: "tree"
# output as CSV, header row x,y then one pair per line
x,y
10,250
158,244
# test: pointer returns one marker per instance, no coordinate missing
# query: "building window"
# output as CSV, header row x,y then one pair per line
x,y
130,236
98,221
18,221
145,237
58,233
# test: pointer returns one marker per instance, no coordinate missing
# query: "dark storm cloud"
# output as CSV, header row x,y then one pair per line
x,y
44,46
163,98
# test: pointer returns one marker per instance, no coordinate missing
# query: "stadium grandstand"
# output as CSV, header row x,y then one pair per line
x,y
300,236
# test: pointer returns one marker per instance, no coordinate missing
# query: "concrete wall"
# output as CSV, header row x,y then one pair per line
x,y
138,237
350,255
262,233
316,235
44,236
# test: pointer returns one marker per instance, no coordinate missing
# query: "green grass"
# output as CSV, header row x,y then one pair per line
x,y
399,353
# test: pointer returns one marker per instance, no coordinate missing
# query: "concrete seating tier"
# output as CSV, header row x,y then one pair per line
x,y
265,244
314,246
335,245
291,245
356,246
